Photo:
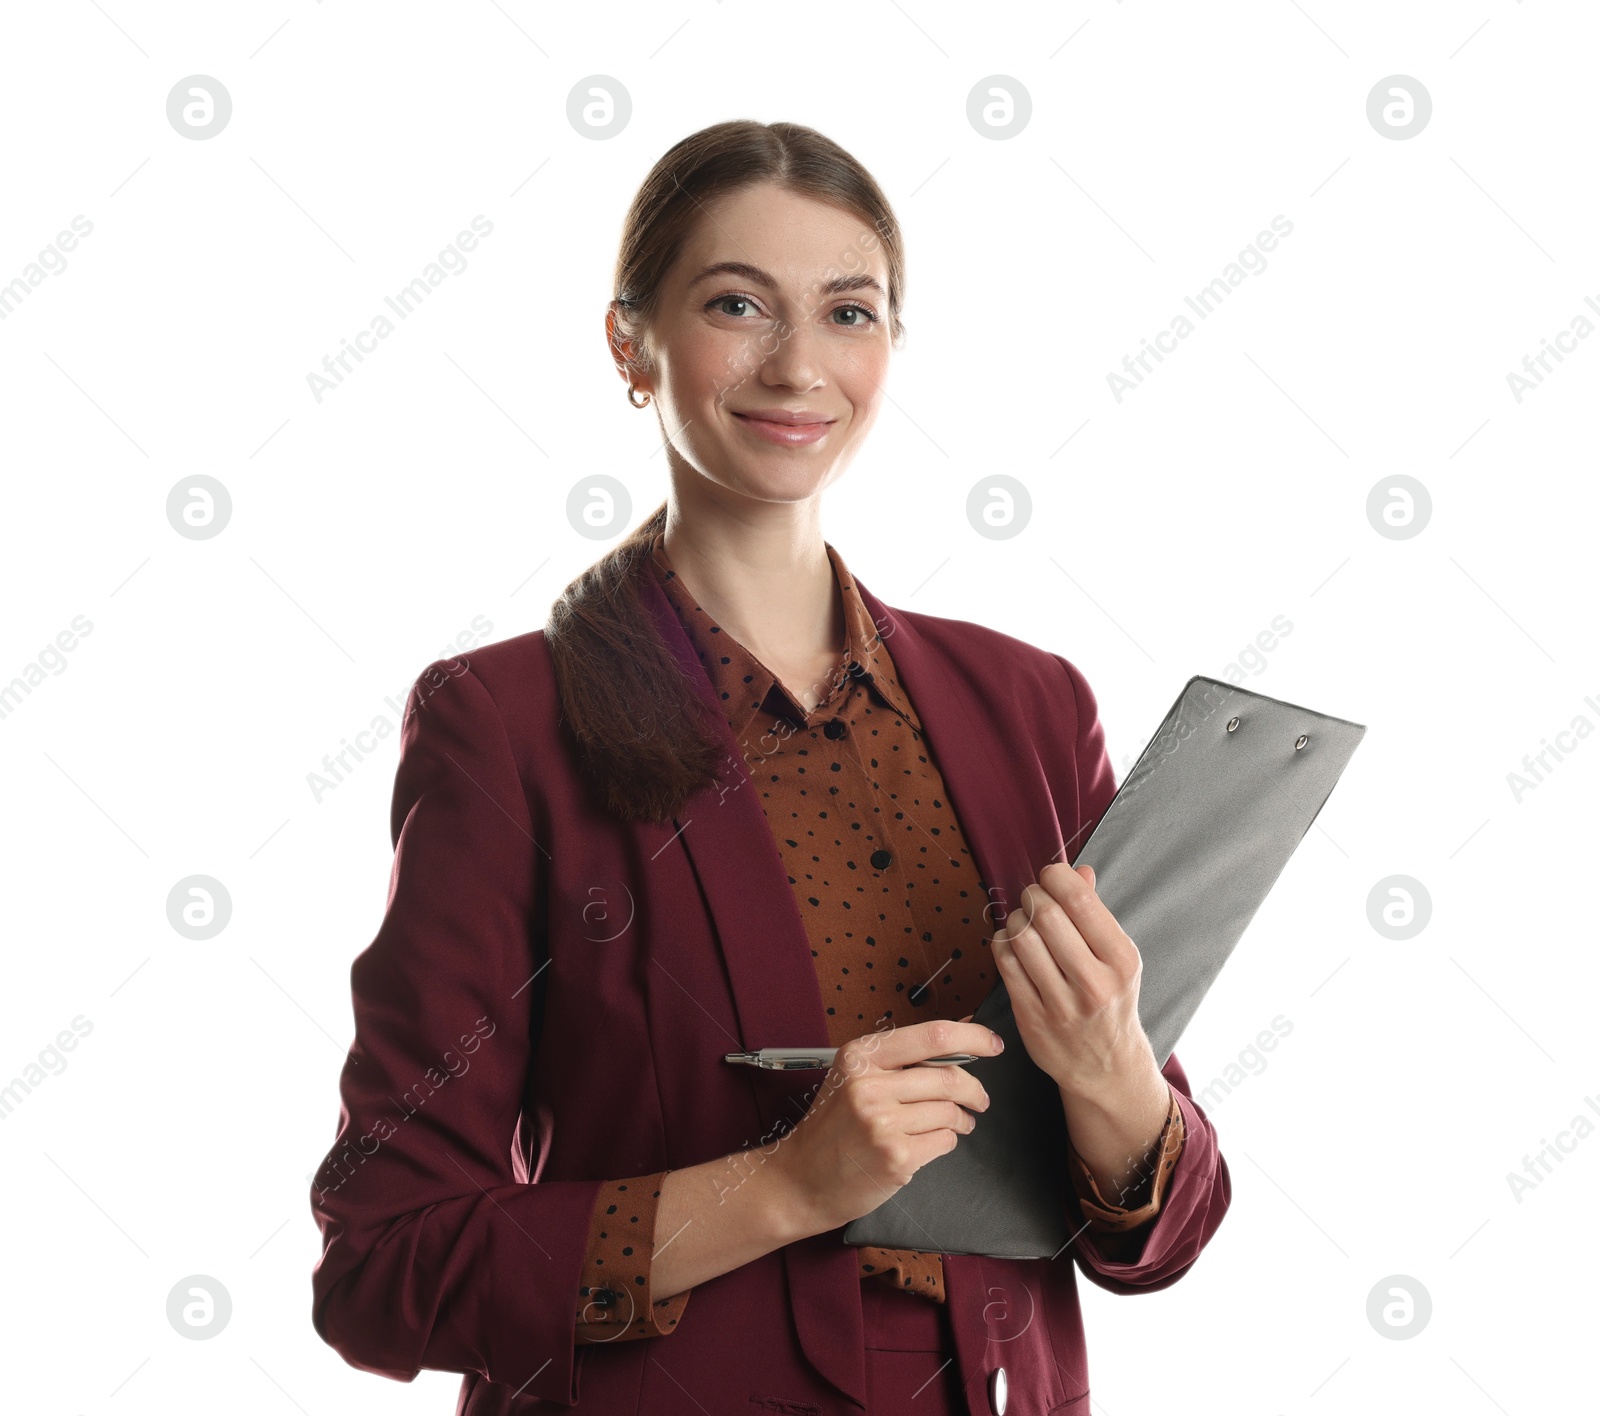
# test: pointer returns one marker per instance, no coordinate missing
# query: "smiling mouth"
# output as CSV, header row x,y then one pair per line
x,y
784,428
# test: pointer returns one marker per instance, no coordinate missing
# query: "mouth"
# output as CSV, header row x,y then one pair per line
x,y
785,427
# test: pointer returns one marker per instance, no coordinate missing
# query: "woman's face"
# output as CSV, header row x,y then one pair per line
x,y
771,343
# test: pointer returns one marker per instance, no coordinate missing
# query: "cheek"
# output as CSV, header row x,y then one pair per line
x,y
860,374
701,366
725,360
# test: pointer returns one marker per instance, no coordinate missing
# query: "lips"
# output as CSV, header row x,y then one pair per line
x,y
786,427
783,417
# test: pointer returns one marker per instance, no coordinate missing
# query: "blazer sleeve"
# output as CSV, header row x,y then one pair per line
x,y
1197,1194
1196,1187
1097,783
434,1254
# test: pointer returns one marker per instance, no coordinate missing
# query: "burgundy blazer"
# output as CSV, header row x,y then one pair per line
x,y
547,1002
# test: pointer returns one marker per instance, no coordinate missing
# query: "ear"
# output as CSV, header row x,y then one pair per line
x,y
625,352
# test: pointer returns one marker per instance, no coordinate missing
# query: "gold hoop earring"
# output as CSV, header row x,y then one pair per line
x,y
631,399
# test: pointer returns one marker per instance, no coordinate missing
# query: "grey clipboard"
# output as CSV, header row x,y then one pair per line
x,y
1194,839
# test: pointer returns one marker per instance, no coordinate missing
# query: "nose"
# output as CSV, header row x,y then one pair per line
x,y
794,363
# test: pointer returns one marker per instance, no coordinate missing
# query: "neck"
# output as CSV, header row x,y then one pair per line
x,y
761,570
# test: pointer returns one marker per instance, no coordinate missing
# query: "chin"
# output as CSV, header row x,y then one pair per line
x,y
784,478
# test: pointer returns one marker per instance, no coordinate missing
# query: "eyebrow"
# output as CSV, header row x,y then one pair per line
x,y
757,276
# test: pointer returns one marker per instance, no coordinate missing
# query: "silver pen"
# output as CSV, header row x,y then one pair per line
x,y
797,1059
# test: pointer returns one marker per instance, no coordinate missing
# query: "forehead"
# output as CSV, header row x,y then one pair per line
x,y
794,237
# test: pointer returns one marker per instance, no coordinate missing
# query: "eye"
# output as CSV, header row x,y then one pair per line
x,y
868,316
722,300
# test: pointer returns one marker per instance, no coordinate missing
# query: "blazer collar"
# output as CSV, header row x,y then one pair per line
x,y
776,994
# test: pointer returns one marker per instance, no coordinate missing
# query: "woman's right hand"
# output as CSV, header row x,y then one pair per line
x,y
877,1118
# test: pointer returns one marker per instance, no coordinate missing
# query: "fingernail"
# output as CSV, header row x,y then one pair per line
x,y
999,1043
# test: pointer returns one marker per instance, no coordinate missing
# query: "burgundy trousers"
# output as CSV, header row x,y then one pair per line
x,y
911,1355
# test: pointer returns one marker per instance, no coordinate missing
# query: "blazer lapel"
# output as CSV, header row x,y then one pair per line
x,y
991,799
779,1004
768,955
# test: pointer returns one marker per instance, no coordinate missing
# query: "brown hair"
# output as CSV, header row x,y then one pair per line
x,y
643,735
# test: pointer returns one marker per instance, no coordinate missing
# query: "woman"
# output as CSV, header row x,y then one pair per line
x,y
727,800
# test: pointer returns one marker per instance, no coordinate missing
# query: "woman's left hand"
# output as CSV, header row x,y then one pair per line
x,y
1073,978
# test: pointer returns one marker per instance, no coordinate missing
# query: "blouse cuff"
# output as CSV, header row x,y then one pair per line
x,y
616,1301
1106,1218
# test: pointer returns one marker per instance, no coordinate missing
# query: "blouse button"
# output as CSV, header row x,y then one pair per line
x,y
834,728
881,859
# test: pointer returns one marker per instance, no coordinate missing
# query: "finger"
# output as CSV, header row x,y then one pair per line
x,y
917,1041
1061,966
1091,920
1085,984
947,1083
1020,987
922,1116
1039,908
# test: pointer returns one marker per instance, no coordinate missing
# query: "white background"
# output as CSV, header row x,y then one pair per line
x,y
1231,487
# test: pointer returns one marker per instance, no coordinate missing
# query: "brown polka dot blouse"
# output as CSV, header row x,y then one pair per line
x,y
892,904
